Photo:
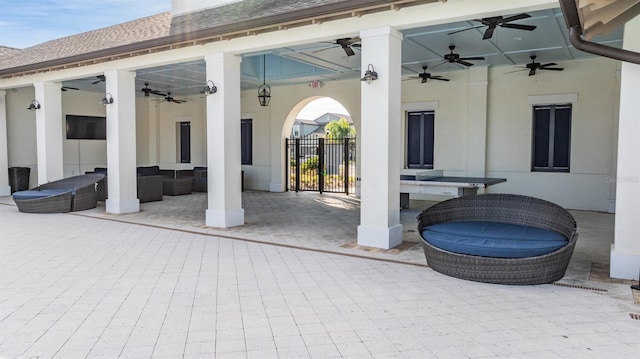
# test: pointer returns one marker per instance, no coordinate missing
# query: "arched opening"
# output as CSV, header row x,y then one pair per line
x,y
321,148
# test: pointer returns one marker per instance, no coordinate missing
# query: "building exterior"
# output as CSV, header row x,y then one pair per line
x,y
483,119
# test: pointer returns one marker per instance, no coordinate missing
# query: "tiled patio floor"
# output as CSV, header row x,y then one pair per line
x,y
88,285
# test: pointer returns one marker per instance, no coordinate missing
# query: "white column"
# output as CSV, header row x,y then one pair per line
x,y
49,131
153,133
5,189
625,251
477,121
223,142
380,140
121,143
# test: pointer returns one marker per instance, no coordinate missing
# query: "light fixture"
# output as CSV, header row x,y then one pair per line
x,y
210,88
35,105
370,75
108,99
264,91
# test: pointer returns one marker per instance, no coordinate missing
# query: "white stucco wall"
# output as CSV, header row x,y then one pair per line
x,y
509,127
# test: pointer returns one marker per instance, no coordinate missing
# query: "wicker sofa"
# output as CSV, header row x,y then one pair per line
x,y
506,211
148,184
69,194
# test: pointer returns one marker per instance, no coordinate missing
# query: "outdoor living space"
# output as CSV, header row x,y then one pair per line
x,y
289,283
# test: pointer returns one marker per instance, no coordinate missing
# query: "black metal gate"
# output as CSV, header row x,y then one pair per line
x,y
322,165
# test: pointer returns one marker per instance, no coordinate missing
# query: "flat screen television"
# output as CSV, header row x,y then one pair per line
x,y
86,127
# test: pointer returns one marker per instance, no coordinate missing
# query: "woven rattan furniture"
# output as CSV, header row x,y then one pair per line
x,y
176,186
200,179
69,194
501,208
149,188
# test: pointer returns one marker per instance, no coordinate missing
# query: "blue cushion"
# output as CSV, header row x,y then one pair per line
x,y
493,239
35,194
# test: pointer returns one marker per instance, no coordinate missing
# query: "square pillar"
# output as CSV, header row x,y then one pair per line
x,y
5,189
49,131
380,140
625,250
121,143
224,190
477,121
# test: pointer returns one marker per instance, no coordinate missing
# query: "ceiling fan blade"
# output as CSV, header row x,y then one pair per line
x,y
510,72
156,92
489,33
519,27
462,62
552,68
65,88
469,28
356,45
515,17
96,82
348,50
477,58
439,78
549,64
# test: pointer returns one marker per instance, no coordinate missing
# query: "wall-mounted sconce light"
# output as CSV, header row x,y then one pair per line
x,y
370,75
108,99
264,91
35,105
210,89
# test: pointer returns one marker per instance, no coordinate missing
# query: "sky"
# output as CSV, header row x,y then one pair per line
x,y
24,23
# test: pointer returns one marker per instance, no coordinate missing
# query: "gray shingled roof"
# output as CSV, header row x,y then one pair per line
x,y
146,28
162,30
6,52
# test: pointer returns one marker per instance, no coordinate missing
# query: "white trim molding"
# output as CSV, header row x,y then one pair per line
x,y
420,106
553,99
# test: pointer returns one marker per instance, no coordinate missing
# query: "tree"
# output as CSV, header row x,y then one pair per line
x,y
337,130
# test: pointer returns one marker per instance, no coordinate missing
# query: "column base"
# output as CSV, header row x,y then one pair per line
x,y
624,265
122,206
380,237
5,190
224,218
275,187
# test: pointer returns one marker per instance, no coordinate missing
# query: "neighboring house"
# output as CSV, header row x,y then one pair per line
x,y
486,121
316,127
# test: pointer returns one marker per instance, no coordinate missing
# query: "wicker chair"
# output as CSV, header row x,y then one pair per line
x,y
503,208
76,193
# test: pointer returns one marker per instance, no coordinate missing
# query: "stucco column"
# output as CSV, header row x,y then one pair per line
x,y
224,191
121,143
625,251
380,140
49,131
477,121
5,189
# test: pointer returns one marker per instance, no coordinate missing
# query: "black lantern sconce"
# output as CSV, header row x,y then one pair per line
x,y
370,75
35,105
210,89
107,100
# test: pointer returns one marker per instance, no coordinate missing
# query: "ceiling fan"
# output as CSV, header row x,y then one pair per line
x,y
100,78
347,44
169,98
455,58
424,76
533,66
492,22
148,91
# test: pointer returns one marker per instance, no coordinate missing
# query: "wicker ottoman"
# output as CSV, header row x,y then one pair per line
x,y
176,186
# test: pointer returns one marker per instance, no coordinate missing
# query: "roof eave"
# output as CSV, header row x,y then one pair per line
x,y
283,21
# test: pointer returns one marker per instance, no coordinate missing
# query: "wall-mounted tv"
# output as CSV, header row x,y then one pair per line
x,y
86,127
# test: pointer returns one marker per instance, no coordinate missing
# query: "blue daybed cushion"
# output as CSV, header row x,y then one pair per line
x,y
35,194
493,239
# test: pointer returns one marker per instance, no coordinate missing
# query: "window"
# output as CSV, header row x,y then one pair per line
x,y
246,141
551,138
184,142
420,129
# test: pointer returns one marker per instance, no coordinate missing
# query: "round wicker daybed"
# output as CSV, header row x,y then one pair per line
x,y
508,209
